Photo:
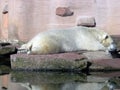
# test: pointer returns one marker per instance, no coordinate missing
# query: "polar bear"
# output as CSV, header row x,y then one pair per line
x,y
67,40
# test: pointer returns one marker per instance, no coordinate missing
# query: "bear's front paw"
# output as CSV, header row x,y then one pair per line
x,y
22,51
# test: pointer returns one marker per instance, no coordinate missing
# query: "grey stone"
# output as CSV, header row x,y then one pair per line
x,y
87,21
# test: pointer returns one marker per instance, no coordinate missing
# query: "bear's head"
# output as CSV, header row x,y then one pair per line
x,y
107,41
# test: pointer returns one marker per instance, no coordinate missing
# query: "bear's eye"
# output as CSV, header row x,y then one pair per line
x,y
106,37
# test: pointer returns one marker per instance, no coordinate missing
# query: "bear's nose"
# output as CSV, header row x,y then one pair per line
x,y
112,47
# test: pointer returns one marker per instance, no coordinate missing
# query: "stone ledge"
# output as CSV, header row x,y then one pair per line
x,y
105,64
57,62
63,62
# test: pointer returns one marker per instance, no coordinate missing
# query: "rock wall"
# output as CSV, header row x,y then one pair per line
x,y
28,18
3,19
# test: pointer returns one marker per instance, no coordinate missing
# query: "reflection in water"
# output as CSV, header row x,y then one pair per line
x,y
56,81
112,84
62,81
4,81
42,86
65,86
47,81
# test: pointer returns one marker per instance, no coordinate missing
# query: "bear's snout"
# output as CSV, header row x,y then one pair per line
x,y
112,47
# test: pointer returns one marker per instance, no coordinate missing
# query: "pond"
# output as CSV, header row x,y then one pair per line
x,y
28,80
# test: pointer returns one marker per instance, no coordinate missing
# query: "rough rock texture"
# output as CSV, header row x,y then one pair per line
x,y
61,62
102,61
105,64
64,62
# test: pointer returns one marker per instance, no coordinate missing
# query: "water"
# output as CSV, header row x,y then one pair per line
x,y
19,80
23,80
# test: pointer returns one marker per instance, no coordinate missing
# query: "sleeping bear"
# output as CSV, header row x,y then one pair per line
x,y
67,40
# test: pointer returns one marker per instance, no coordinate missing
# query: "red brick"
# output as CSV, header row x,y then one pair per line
x,y
63,11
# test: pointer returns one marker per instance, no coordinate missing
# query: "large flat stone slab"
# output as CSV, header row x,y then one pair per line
x,y
62,61
65,62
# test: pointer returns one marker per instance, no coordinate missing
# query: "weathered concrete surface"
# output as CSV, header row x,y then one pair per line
x,y
105,64
63,61
102,61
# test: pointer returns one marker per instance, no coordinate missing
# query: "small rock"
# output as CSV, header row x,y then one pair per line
x,y
5,10
87,21
63,11
5,50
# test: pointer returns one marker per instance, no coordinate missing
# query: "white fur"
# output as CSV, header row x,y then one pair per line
x,y
72,39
